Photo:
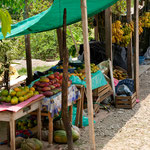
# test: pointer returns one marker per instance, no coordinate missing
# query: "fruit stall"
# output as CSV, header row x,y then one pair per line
x,y
49,86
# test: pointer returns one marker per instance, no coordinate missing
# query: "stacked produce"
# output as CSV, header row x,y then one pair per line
x,y
145,19
122,32
119,74
18,94
80,72
27,123
61,67
50,85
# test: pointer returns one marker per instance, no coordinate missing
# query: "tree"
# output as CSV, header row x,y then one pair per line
x,y
5,22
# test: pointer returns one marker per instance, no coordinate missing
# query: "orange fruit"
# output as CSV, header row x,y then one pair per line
x,y
13,93
32,89
17,89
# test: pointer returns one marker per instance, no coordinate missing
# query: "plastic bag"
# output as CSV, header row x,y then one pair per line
x,y
104,67
147,54
123,89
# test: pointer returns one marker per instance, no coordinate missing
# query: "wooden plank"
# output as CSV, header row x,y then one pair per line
x,y
100,99
50,128
123,106
12,133
104,92
129,47
103,87
5,116
108,33
24,112
88,74
133,103
136,46
123,102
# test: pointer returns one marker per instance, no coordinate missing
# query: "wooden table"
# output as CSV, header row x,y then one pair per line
x,y
11,117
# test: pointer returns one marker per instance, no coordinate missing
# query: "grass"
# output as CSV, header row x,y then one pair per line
x,y
23,71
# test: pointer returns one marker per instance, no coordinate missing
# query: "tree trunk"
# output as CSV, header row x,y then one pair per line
x,y
28,50
60,42
65,115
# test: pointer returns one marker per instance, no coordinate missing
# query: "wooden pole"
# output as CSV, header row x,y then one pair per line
x,y
88,74
96,28
65,115
108,33
60,43
129,47
28,50
136,46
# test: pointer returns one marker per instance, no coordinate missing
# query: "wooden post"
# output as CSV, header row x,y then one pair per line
x,y
60,42
65,115
136,46
129,47
108,33
96,27
12,133
28,50
88,74
50,128
39,123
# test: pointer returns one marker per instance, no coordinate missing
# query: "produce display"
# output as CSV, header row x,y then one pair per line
x,y
145,19
17,95
80,71
27,123
122,32
50,85
61,67
31,144
60,136
119,74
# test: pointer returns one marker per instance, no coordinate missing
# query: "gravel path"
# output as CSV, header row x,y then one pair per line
x,y
35,63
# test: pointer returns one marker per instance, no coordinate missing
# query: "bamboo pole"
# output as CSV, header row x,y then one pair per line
x,y
129,47
88,73
136,46
65,115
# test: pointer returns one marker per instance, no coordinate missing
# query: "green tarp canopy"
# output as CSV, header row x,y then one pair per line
x,y
52,18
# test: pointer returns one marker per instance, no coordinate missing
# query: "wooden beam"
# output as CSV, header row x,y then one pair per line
x,y
28,49
65,115
96,27
108,33
129,47
136,46
88,74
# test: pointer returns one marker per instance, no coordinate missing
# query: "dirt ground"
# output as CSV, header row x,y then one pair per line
x,y
120,129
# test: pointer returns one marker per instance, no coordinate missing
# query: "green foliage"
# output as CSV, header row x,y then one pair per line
x,y
6,21
23,71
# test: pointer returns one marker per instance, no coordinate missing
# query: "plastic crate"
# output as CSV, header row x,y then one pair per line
x,y
141,59
54,69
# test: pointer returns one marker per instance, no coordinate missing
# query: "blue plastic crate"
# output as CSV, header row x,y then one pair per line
x,y
141,59
54,69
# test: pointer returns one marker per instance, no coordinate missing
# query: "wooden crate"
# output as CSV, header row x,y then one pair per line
x,y
100,94
125,101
